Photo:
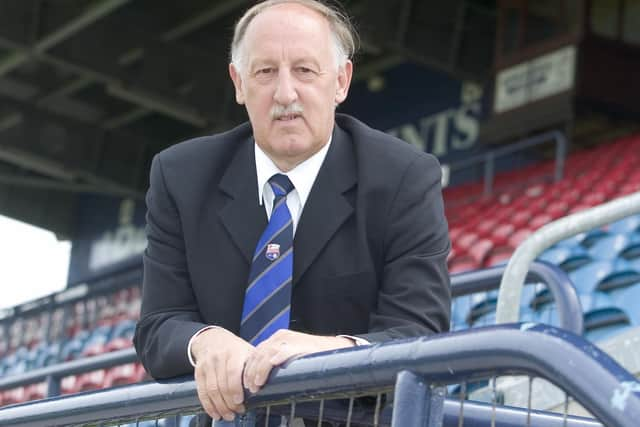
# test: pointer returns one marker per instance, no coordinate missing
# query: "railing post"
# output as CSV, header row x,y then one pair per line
x,y
561,155
489,171
53,386
415,403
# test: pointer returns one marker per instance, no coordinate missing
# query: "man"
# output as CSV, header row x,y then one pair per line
x,y
363,239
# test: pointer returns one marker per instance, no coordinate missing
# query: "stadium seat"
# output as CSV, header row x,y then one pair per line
x,y
93,380
604,322
602,275
519,236
566,257
466,241
129,373
611,246
462,263
627,299
540,220
35,391
500,235
499,255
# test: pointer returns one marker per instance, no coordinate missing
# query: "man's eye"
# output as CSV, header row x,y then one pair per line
x,y
265,71
305,70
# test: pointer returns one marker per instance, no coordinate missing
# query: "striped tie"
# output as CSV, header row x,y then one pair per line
x,y
267,301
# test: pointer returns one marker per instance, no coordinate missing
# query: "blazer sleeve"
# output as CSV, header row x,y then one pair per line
x,y
414,296
169,313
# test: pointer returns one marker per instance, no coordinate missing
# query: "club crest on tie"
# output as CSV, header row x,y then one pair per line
x,y
273,251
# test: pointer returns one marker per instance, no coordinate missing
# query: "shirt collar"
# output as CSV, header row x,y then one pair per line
x,y
302,176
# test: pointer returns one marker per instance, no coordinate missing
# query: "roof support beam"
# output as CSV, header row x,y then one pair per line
x,y
88,17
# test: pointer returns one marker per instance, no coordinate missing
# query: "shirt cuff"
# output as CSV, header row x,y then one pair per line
x,y
189,354
357,340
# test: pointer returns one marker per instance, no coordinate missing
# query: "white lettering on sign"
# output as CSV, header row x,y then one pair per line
x,y
539,78
117,245
440,134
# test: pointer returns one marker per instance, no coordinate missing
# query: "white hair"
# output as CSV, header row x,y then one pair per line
x,y
342,32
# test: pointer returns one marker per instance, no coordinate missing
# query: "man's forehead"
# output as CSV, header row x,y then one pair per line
x,y
284,18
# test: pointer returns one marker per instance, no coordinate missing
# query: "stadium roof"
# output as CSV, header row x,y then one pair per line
x,y
91,89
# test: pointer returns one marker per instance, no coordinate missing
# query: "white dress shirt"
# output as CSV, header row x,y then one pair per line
x,y
302,177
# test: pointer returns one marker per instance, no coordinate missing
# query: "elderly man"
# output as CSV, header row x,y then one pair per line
x,y
301,231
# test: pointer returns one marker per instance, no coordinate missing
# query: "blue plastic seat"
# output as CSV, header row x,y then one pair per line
x,y
124,329
611,246
602,275
628,300
605,322
460,308
567,257
625,225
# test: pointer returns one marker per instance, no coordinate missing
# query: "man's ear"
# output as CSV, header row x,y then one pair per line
x,y
237,83
345,73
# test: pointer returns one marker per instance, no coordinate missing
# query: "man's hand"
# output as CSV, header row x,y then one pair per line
x,y
282,346
220,357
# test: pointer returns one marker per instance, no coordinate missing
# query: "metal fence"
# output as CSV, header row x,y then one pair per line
x,y
488,160
518,266
405,383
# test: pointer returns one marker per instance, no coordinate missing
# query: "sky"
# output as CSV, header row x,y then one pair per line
x,y
33,263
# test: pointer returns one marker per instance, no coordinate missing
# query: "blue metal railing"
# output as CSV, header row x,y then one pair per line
x,y
608,392
488,159
54,373
564,293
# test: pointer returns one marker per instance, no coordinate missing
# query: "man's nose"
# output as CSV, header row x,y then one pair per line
x,y
285,93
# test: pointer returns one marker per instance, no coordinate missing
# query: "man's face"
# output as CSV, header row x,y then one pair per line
x,y
290,82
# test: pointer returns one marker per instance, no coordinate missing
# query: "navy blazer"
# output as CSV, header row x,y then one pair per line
x,y
370,249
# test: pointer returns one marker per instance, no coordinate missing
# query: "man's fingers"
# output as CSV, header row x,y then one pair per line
x,y
234,382
223,400
203,394
286,353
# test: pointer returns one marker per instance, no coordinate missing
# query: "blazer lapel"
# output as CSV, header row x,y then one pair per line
x,y
243,217
326,208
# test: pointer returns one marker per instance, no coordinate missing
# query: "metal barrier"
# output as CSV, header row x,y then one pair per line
x,y
53,374
564,293
508,308
488,159
414,369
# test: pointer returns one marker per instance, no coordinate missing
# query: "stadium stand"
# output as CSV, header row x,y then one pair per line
x,y
604,265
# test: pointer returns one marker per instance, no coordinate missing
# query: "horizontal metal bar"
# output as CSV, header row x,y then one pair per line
x,y
557,136
550,234
564,293
87,364
609,392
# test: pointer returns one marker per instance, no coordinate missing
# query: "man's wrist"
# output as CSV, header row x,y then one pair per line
x,y
357,341
190,354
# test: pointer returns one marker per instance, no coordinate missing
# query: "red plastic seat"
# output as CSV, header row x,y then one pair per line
x,y
118,344
519,236
498,255
480,249
540,220
501,234
36,391
557,209
520,219
95,350
462,264
124,374
466,240
68,385
93,380
485,228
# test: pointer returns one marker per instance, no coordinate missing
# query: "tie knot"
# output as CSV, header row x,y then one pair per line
x,y
280,184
